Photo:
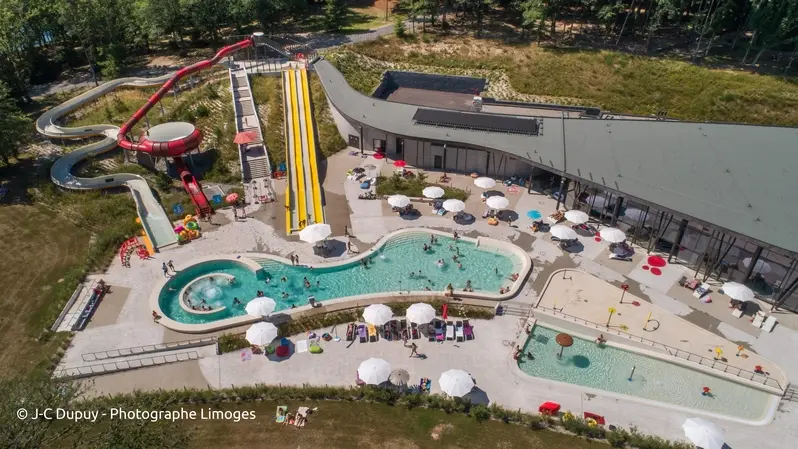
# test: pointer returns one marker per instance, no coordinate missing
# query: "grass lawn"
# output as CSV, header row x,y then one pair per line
x,y
348,425
396,185
613,81
370,14
268,93
40,248
327,135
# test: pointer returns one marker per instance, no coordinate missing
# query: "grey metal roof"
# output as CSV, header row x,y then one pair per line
x,y
738,177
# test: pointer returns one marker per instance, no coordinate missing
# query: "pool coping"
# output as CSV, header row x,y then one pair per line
x,y
182,294
670,358
766,419
349,301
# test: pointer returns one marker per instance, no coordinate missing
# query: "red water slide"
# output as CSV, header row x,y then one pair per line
x,y
176,147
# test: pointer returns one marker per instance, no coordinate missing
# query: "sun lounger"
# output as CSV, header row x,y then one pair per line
x,y
459,334
759,318
450,330
468,330
737,313
372,333
350,332
302,412
440,331
556,217
279,415
430,332
386,331
414,334
361,332
767,326
403,330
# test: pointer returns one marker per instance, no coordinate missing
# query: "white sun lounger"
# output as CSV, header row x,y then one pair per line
x,y
449,330
769,323
737,313
758,319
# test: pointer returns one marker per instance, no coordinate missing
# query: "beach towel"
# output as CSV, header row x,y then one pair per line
x,y
301,346
246,355
279,415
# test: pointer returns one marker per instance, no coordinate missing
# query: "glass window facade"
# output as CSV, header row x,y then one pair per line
x,y
772,272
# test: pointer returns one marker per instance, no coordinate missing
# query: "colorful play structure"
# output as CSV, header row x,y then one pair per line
x,y
189,230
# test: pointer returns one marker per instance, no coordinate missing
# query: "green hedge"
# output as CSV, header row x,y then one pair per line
x,y
414,187
320,321
232,342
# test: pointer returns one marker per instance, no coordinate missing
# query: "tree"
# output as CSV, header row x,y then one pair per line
x,y
532,13
274,14
335,12
399,27
15,127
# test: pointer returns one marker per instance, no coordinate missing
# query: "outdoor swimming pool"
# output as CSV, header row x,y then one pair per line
x,y
608,368
389,270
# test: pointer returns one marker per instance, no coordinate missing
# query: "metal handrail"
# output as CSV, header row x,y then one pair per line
x,y
146,349
676,352
88,370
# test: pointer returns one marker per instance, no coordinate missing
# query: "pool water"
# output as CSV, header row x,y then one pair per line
x,y
608,368
389,270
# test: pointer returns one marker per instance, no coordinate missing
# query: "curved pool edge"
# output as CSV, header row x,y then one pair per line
x,y
522,339
349,301
673,359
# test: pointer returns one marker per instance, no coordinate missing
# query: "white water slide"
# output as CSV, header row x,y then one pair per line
x,y
155,221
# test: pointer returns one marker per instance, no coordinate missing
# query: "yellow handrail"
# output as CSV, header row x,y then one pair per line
x,y
318,212
298,164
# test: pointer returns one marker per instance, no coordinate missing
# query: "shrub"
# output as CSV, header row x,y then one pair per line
x,y
617,438
232,342
480,412
202,111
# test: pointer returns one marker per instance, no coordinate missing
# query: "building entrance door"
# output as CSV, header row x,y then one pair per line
x,y
438,162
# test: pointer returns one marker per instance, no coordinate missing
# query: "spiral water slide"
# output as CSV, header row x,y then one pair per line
x,y
154,220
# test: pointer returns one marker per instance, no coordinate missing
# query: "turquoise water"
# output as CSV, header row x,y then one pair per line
x,y
608,368
388,271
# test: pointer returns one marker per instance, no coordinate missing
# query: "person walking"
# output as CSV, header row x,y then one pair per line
x,y
165,270
171,266
413,349
346,231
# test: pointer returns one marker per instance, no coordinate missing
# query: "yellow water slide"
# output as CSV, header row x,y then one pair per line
x,y
318,211
297,144
288,174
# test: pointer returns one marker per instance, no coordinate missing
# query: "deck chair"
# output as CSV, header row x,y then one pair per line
x,y
350,332
386,331
403,328
468,330
372,333
450,330
767,326
361,332
440,330
414,334
430,332
737,313
459,334
759,318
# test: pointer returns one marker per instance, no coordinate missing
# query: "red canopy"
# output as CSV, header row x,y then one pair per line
x,y
399,163
246,137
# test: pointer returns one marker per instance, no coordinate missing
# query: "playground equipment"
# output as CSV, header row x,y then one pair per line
x,y
156,224
130,246
189,230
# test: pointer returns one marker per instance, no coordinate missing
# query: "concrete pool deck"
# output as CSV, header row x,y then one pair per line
x,y
577,294
486,357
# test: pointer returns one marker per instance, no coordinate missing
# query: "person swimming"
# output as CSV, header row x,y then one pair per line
x,y
459,265
285,295
440,263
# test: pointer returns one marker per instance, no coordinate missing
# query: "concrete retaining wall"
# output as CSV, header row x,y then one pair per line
x,y
428,81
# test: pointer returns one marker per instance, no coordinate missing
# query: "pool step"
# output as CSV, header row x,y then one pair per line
x,y
516,310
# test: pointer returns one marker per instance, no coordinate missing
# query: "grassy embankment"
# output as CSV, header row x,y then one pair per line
x,y
613,81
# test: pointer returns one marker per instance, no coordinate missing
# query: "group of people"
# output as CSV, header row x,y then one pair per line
x,y
166,267
202,306
294,259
